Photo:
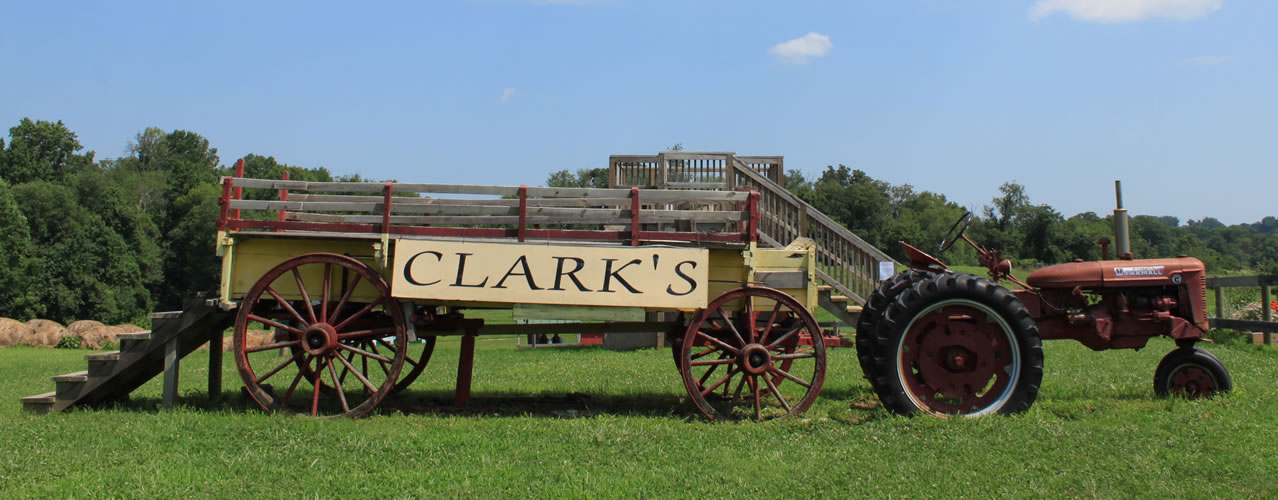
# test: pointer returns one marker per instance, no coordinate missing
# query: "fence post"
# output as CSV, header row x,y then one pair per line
x,y
1266,312
1220,302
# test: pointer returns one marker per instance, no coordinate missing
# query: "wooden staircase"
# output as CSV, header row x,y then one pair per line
x,y
847,265
111,376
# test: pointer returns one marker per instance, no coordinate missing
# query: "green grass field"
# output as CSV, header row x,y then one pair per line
x,y
588,422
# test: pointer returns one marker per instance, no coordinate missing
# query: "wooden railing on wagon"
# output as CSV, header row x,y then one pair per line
x,y
521,212
1265,324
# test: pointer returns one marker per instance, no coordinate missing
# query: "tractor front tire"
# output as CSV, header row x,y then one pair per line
x,y
1192,373
955,344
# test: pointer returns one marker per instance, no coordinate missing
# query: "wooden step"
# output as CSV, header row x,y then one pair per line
x,y
855,309
129,341
838,298
40,403
72,377
159,320
102,363
46,398
70,385
824,288
103,356
134,336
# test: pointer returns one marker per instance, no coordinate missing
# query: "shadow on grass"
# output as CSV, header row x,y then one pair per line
x,y
863,406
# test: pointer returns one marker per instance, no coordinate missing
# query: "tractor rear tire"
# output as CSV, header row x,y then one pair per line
x,y
956,344
1192,373
868,322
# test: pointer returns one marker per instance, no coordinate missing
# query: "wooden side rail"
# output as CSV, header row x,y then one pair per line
x,y
631,215
844,260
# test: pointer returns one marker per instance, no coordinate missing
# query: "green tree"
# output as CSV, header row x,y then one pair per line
x,y
41,150
852,197
81,267
15,260
584,178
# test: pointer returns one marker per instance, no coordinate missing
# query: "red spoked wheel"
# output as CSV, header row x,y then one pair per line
x,y
328,359
416,356
740,356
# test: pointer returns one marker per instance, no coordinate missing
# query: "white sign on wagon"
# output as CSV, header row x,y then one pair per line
x,y
551,274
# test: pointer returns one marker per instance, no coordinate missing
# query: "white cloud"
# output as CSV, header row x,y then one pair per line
x,y
1207,60
1116,11
802,49
506,95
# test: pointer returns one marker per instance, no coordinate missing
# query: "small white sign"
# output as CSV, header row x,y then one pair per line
x,y
886,270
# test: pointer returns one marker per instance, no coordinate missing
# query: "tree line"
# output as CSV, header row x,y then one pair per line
x,y
112,239
1031,234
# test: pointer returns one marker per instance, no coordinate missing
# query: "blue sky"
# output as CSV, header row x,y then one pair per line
x,y
1178,98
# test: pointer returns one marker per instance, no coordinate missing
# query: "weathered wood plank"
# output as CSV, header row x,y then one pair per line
x,y
1233,281
543,192
1246,325
579,313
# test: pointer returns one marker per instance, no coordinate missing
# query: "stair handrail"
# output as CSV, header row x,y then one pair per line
x,y
839,264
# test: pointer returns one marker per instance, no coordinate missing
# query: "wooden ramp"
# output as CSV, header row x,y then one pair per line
x,y
111,376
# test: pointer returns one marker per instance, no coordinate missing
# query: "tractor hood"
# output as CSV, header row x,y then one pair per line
x,y
1115,272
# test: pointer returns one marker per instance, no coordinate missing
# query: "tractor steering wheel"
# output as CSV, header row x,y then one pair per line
x,y
956,231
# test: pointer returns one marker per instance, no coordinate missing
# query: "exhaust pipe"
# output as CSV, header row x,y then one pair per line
x,y
1122,233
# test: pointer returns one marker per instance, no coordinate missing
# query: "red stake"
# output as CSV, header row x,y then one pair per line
x,y
239,191
634,216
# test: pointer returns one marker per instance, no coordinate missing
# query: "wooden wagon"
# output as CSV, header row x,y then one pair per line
x,y
353,283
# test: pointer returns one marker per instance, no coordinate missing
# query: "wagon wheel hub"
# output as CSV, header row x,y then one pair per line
x,y
319,340
755,359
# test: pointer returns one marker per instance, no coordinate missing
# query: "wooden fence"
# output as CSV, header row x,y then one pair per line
x,y
1265,324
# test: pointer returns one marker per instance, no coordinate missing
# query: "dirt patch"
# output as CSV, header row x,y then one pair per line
x,y
13,332
46,333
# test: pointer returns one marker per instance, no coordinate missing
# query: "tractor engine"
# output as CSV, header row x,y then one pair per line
x,y
1119,304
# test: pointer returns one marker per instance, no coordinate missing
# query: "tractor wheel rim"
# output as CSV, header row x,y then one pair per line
x,y
958,356
1191,381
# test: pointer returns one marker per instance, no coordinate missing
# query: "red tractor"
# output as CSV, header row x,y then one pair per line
x,y
931,340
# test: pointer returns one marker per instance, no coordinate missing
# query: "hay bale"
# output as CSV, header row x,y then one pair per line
x,y
226,345
254,338
97,338
84,325
92,333
47,333
13,332
127,328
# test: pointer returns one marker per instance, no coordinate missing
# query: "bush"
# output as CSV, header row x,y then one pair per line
x,y
69,342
